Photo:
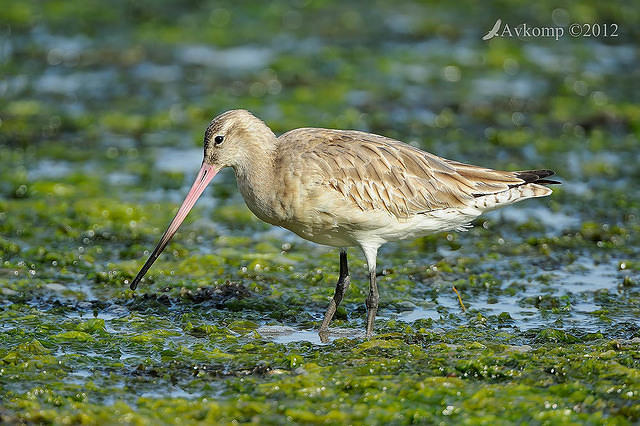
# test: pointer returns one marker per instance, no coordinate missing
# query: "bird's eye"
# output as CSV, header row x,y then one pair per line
x,y
218,140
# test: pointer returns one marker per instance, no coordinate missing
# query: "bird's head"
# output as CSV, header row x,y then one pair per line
x,y
232,139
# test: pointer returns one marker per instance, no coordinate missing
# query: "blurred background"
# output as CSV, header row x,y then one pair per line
x,y
106,86
103,106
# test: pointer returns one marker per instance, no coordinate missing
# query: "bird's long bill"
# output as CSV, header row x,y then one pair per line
x,y
205,175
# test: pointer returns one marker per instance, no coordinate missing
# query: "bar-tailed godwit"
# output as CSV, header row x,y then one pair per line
x,y
346,188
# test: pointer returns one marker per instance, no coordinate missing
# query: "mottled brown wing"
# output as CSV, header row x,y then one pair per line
x,y
375,172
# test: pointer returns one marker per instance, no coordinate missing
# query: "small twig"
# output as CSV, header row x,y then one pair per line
x,y
464,309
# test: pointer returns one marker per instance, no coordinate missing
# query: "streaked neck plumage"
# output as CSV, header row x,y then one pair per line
x,y
255,172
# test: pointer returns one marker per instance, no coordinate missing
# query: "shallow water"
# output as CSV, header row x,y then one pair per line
x,y
284,334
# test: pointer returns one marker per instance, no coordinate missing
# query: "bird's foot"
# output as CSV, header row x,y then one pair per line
x,y
324,335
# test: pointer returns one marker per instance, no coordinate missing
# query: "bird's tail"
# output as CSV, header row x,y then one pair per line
x,y
532,186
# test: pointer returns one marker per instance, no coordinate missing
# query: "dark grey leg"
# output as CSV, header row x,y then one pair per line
x,y
341,287
372,302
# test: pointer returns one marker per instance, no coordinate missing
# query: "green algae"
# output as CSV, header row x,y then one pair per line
x,y
551,332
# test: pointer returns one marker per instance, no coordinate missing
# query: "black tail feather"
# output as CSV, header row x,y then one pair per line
x,y
548,182
536,176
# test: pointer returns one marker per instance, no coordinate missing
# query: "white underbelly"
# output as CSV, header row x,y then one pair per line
x,y
377,228
426,223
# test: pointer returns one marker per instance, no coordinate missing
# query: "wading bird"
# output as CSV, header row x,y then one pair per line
x,y
346,188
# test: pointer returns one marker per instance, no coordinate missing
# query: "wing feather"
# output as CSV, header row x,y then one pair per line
x,y
378,173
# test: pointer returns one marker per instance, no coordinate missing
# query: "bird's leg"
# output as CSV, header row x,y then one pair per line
x,y
373,297
372,302
341,287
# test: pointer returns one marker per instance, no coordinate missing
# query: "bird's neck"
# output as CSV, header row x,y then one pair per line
x,y
256,177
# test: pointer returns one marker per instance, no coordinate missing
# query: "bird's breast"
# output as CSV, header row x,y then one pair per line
x,y
260,202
